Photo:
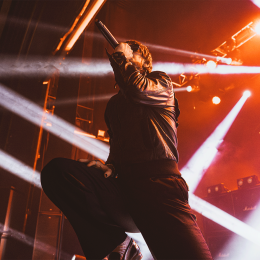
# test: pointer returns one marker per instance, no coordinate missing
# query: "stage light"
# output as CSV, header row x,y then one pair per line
x,y
211,64
33,113
194,170
257,28
246,182
216,189
19,169
91,12
216,100
247,93
229,61
101,133
189,88
181,89
256,2
79,257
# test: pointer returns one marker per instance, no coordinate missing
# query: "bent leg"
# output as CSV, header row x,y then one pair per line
x,y
159,207
92,204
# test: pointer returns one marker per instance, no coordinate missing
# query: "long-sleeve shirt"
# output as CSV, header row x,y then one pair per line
x,y
142,117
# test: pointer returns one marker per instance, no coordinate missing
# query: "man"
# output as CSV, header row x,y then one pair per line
x,y
139,188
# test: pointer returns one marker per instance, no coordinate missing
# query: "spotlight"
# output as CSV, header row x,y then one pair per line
x,y
189,88
101,133
217,189
229,61
257,28
211,64
216,100
246,182
247,93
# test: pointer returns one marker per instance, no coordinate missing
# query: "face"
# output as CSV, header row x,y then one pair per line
x,y
137,60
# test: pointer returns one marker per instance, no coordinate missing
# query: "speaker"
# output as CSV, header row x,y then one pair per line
x,y
55,237
217,247
69,242
223,201
232,247
246,201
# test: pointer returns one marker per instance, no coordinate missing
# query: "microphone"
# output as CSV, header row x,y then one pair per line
x,y
107,34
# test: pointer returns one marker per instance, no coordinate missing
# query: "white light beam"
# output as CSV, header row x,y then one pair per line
x,y
194,170
224,219
73,67
50,250
33,113
19,169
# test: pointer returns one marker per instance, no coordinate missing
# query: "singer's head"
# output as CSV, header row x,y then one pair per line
x,y
139,48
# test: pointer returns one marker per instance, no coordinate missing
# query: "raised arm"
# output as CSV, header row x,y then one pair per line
x,y
153,88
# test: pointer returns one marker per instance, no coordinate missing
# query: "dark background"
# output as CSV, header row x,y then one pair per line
x,y
33,29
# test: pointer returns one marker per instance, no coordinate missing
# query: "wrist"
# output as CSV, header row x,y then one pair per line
x,y
112,167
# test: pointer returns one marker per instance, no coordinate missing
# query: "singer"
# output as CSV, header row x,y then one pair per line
x,y
139,188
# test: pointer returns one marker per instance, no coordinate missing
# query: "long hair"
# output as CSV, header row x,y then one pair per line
x,y
147,66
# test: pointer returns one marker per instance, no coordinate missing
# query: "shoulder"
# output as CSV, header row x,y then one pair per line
x,y
159,75
114,99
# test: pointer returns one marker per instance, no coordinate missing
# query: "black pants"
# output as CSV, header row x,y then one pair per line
x,y
101,210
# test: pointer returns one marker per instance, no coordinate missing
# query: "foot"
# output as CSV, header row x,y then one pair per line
x,y
132,252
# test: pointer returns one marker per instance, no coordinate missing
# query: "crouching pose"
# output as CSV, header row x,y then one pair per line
x,y
139,188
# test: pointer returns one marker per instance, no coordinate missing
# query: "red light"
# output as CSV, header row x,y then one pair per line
x,y
211,64
189,88
247,93
216,100
257,28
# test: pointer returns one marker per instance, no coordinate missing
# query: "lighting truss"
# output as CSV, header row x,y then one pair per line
x,y
236,40
222,51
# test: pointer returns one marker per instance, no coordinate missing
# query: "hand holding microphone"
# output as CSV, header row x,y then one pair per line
x,y
126,49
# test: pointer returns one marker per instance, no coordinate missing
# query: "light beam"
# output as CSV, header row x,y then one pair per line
x,y
247,251
194,170
256,2
33,113
50,250
187,53
19,169
172,68
73,67
224,219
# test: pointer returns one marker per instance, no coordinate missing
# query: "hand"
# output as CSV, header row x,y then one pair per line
x,y
99,165
126,49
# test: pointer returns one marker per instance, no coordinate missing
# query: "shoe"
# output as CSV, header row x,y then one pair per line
x,y
132,252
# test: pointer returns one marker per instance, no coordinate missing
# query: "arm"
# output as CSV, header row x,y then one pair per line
x,y
152,89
